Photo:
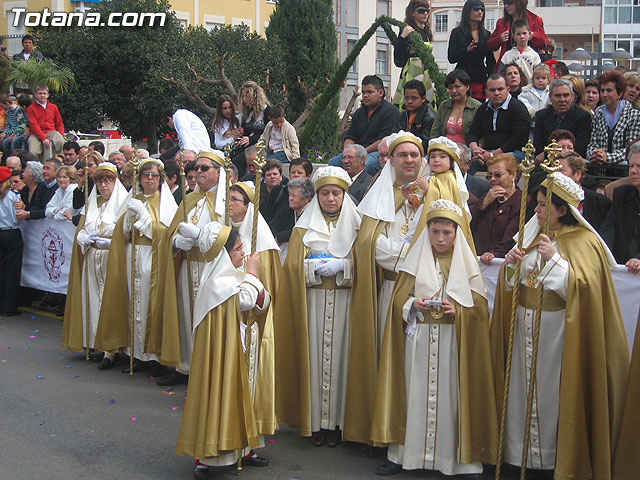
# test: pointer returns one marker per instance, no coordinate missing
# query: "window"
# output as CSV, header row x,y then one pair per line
x,y
352,13
213,21
442,22
350,44
458,14
382,7
382,56
490,20
82,8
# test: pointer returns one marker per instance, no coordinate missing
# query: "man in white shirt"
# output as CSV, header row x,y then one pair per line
x,y
192,133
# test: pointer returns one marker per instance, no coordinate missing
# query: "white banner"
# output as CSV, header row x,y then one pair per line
x,y
46,257
626,287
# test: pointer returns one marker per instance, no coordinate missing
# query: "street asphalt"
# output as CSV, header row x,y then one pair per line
x,y
62,418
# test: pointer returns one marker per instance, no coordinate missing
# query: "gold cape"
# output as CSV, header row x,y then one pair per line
x,y
293,388
595,358
478,422
161,336
72,328
444,185
363,321
218,414
626,461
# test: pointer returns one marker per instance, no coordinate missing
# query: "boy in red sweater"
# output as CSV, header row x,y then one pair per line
x,y
45,123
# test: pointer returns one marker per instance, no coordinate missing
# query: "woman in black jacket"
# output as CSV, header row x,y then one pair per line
x,y
468,47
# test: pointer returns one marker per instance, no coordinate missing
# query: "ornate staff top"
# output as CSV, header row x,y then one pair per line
x,y
259,163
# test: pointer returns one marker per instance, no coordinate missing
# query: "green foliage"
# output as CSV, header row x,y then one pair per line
x,y
306,34
35,72
437,77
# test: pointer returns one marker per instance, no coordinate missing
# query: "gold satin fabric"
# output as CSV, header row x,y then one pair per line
x,y
626,461
477,413
362,370
218,415
595,358
72,327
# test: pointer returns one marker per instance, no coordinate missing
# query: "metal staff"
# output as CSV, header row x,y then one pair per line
x,y
550,166
259,163
87,337
227,183
183,203
132,283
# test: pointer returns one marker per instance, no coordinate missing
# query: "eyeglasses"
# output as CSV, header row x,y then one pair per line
x,y
404,155
509,2
203,168
151,174
423,10
91,164
104,181
497,175
478,8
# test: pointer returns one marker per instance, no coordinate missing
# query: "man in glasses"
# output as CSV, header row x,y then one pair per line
x,y
204,205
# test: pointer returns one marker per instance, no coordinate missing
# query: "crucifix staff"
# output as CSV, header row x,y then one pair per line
x,y
132,282
85,160
183,203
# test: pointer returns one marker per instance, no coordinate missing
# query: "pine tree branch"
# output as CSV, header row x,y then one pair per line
x,y
342,126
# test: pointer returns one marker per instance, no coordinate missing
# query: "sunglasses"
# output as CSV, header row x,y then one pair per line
x,y
497,175
203,168
151,174
422,10
509,2
477,8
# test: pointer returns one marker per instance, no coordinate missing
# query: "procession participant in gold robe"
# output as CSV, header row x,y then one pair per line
x,y
312,328
583,357
204,205
148,216
89,261
389,216
262,354
626,461
219,418
433,401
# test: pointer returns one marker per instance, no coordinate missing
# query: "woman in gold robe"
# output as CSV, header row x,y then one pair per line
x,y
583,356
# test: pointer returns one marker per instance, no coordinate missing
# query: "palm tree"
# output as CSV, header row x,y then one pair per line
x,y
35,72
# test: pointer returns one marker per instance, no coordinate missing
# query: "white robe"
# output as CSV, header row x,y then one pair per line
x,y
95,264
328,326
62,200
431,373
546,401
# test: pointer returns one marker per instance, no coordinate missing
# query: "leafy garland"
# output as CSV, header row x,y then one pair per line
x,y
334,86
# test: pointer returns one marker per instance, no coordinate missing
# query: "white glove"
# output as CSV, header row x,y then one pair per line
x,y
135,206
189,230
103,242
92,238
328,267
183,243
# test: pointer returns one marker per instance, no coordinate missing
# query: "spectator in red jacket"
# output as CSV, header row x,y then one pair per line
x,y
45,124
501,36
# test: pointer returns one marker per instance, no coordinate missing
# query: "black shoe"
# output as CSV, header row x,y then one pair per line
x,y
105,364
388,468
255,461
156,370
10,314
201,473
138,366
470,476
174,378
96,356
376,452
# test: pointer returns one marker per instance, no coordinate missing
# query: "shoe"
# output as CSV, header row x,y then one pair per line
x,y
106,364
388,468
174,378
334,438
138,366
201,473
470,476
10,314
532,474
376,452
96,356
319,438
156,370
255,461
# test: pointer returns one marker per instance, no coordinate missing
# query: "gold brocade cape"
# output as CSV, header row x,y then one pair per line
x,y
72,328
443,185
363,329
626,461
477,413
595,358
293,388
161,336
218,415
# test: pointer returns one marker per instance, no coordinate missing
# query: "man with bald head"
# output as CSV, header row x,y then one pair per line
x,y
13,163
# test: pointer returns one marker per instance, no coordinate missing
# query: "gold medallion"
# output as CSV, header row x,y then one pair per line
x,y
437,312
404,229
532,277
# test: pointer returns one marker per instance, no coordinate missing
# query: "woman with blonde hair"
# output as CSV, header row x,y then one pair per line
x,y
60,207
632,93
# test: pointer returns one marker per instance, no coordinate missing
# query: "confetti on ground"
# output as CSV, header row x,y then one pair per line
x,y
42,422
170,389
68,366
151,377
174,408
4,361
133,419
111,401
77,376
39,377
36,331
33,336
271,441
33,317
